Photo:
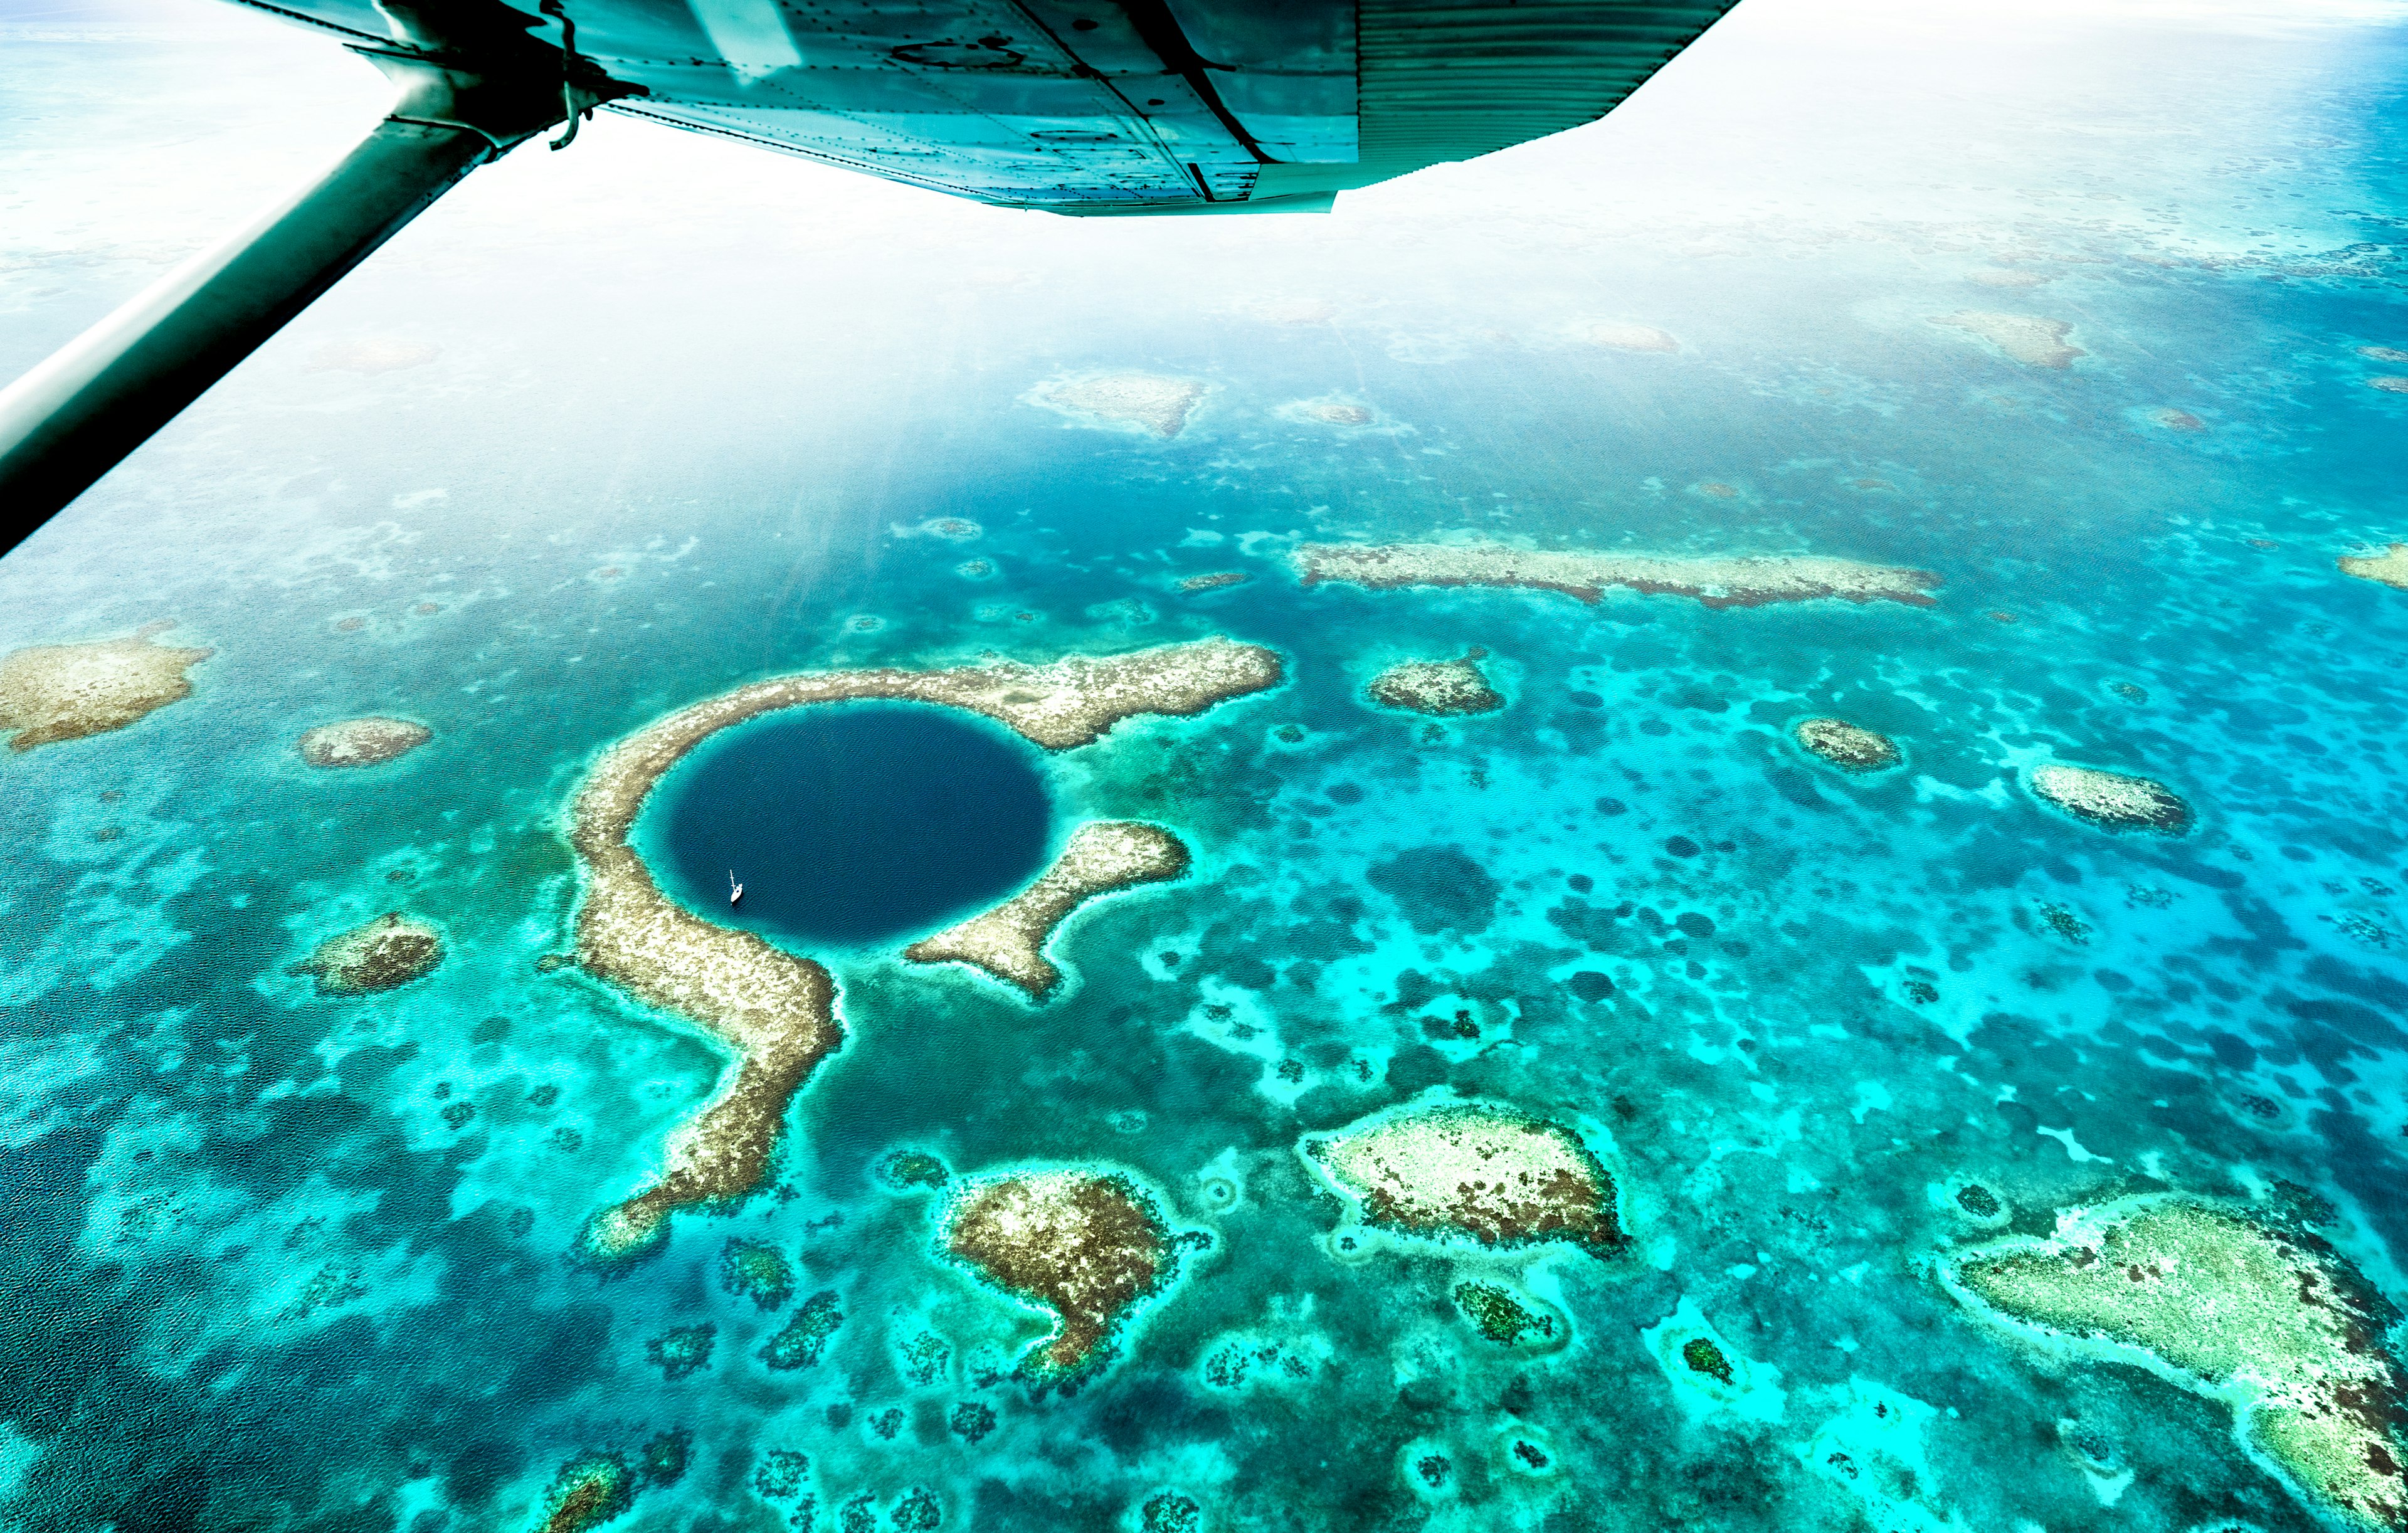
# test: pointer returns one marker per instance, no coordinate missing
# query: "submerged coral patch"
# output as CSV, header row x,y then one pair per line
x,y
362,742
590,1490
2388,567
1847,746
1148,400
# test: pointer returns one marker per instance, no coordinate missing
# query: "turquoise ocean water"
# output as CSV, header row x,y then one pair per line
x,y
613,431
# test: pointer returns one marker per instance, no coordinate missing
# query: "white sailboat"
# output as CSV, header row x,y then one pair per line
x,y
735,890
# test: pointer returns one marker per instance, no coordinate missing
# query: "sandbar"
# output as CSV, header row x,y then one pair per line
x,y
63,692
2112,799
1160,404
2382,353
1009,940
1713,582
773,1010
382,954
1088,1246
2388,385
2389,567
362,742
2034,342
1440,688
1847,746
1496,1175
2271,1321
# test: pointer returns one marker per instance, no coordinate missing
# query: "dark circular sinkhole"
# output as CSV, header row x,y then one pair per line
x,y
850,822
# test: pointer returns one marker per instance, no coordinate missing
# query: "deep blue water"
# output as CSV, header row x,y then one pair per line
x,y
851,822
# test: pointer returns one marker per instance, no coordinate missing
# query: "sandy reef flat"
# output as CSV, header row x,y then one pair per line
x,y
1088,1246
63,692
2389,567
2273,1322
1160,404
1846,746
362,742
1493,1174
2023,337
1009,940
382,954
2112,799
775,1012
1215,580
1440,688
1713,581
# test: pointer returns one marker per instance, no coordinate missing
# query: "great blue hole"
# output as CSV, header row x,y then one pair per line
x,y
850,822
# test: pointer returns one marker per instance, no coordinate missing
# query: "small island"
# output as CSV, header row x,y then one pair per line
x,y
2034,342
2112,800
1846,746
1159,405
64,692
1711,581
1440,688
2269,1320
773,1011
2389,567
382,954
1007,942
1088,1246
362,742
1469,1170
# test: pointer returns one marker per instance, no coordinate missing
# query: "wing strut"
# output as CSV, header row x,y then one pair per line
x,y
68,421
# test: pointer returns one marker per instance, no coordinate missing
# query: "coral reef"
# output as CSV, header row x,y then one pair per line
x,y
756,1270
1088,1246
63,692
1158,404
2034,342
803,1339
1713,582
2111,799
1170,1512
906,1169
1495,1175
663,1460
381,954
590,1490
1009,940
2389,567
1215,580
362,742
682,1349
1441,688
776,1011
2268,1319
1847,746
1497,1314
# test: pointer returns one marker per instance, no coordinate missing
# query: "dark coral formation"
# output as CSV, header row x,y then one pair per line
x,y
1978,1200
1497,1315
1702,1355
682,1349
590,1490
756,1270
906,1169
383,954
663,1460
803,1339
1171,1512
